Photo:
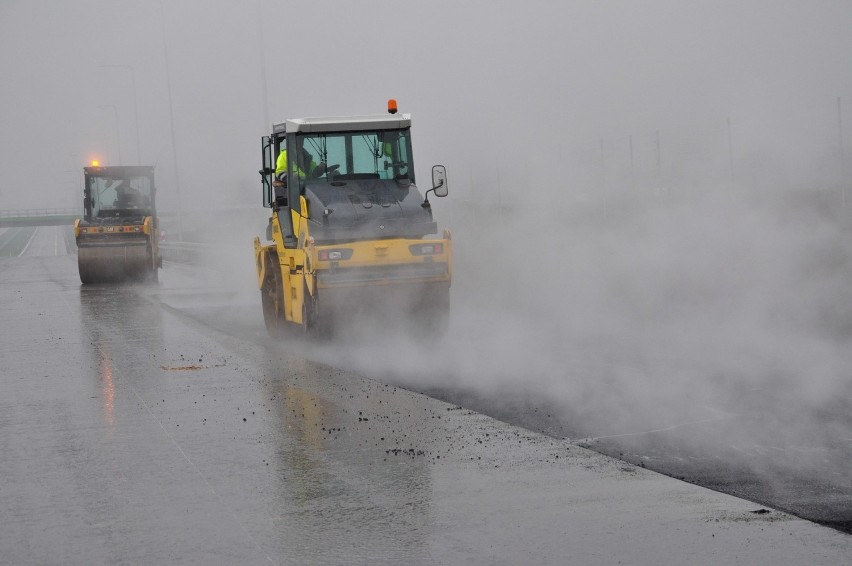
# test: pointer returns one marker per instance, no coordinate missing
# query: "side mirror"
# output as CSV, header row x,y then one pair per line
x,y
439,181
439,184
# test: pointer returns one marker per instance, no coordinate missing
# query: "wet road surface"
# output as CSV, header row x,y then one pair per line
x,y
133,430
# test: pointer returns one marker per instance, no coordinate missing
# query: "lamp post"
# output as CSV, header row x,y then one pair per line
x,y
842,156
263,85
172,122
135,102
117,137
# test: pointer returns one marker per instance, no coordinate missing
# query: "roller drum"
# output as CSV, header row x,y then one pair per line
x,y
112,263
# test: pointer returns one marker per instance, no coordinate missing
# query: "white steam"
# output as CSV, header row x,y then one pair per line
x,y
661,312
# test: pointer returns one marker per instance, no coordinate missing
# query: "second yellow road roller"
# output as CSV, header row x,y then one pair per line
x,y
118,234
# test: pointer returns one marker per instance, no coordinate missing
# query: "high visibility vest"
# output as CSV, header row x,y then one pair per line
x,y
281,165
281,162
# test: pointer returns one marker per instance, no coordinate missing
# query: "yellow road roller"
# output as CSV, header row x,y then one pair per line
x,y
350,234
117,236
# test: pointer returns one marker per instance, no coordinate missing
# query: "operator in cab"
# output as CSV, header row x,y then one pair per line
x,y
281,166
127,196
307,169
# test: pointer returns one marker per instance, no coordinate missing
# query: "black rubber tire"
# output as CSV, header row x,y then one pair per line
x,y
314,326
273,302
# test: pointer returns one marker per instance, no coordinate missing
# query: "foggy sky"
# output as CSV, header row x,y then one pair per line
x,y
489,84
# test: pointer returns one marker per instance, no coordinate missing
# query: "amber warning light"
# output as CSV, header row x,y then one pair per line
x,y
392,106
96,163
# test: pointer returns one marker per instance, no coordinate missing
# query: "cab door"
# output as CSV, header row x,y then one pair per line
x,y
267,171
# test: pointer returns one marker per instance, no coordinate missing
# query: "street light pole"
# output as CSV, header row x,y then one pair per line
x,y
117,136
730,149
172,122
135,102
842,156
263,85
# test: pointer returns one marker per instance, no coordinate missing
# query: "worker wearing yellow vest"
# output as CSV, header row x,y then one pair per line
x,y
311,168
281,165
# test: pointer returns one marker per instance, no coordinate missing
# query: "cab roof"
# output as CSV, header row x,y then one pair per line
x,y
344,123
119,170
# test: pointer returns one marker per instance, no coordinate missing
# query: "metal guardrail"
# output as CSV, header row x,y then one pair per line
x,y
184,252
40,212
194,253
38,217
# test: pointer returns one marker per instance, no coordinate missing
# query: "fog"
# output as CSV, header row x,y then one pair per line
x,y
648,199
492,86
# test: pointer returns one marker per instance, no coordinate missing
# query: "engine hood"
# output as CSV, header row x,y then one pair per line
x,y
367,208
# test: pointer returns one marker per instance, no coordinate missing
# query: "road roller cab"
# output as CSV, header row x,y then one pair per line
x,y
117,236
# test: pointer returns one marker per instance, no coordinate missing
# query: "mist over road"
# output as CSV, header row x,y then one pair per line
x,y
705,338
715,357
